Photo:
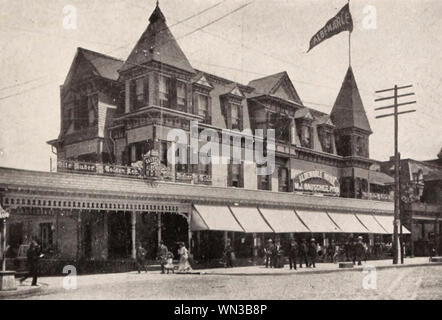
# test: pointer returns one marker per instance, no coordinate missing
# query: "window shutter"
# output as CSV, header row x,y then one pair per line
x,y
241,175
156,89
146,91
195,103
132,97
173,100
229,174
209,110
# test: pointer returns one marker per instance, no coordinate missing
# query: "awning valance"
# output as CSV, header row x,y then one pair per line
x,y
206,217
371,224
317,220
283,220
250,219
347,222
387,223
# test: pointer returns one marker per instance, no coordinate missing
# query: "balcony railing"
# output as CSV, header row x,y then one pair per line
x,y
151,173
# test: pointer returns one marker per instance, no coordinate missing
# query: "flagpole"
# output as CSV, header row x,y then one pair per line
x,y
349,41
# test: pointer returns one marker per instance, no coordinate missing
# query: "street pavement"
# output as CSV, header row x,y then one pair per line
x,y
412,281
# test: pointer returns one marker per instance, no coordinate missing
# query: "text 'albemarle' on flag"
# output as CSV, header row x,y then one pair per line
x,y
341,22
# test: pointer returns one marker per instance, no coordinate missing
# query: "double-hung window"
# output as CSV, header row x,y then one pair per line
x,y
164,91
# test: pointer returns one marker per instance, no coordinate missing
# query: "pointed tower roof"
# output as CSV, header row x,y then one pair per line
x,y
348,110
157,44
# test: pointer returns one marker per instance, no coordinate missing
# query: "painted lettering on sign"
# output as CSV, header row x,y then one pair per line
x,y
317,181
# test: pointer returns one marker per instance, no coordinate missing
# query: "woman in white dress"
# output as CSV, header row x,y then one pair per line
x,y
183,265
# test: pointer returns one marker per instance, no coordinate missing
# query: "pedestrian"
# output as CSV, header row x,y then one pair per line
x,y
141,258
292,254
302,253
183,265
162,255
229,254
312,253
277,255
169,265
331,249
268,251
337,252
33,255
358,251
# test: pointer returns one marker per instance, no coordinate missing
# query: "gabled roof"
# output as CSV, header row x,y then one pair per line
x,y
157,44
303,113
270,85
348,110
96,63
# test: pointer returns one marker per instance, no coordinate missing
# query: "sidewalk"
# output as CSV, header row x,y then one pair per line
x,y
320,268
55,284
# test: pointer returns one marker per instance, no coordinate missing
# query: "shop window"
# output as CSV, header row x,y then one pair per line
x,y
181,94
46,236
283,179
164,91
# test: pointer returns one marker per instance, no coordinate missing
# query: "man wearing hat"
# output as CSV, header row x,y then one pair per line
x,y
302,253
359,251
312,253
292,253
162,255
269,250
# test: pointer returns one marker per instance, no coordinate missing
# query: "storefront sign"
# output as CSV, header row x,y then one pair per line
x,y
317,181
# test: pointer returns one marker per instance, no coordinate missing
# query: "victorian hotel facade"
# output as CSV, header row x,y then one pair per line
x,y
114,187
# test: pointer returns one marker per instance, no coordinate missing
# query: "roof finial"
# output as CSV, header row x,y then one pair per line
x,y
158,3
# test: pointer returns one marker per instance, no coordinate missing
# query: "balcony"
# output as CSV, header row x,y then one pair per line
x,y
151,172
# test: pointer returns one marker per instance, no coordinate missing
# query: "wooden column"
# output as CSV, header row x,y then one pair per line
x,y
56,229
189,221
133,230
3,243
79,236
159,228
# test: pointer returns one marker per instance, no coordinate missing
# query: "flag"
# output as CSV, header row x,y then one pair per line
x,y
341,22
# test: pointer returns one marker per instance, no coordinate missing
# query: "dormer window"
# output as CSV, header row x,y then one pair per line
x,y
305,135
235,116
202,106
164,91
325,137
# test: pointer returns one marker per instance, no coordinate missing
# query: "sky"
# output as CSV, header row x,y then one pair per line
x,y
262,38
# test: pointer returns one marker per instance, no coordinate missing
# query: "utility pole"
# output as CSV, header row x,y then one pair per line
x,y
397,216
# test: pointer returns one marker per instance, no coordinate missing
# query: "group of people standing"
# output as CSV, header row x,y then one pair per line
x,y
303,253
165,257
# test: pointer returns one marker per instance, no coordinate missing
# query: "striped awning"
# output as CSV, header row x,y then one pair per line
x,y
250,219
208,217
283,220
347,222
317,220
371,223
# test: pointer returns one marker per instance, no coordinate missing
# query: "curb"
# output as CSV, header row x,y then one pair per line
x,y
324,271
22,293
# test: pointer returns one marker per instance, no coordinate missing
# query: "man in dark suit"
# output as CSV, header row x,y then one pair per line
x,y
292,254
312,253
162,255
141,258
302,253
269,251
359,251
33,255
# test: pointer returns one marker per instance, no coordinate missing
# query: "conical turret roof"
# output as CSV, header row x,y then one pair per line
x,y
157,44
348,110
